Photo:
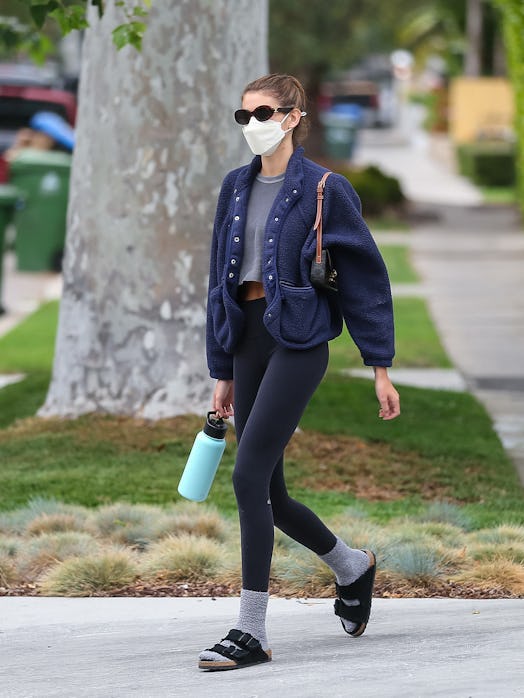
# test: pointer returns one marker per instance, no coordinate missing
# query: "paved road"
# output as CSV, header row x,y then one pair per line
x,y
116,648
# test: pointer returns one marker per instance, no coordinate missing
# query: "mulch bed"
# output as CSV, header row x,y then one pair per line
x,y
386,589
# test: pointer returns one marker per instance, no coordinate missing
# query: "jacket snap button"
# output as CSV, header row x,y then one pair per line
x,y
237,198
233,261
231,275
236,238
269,315
295,191
270,277
276,218
287,199
237,218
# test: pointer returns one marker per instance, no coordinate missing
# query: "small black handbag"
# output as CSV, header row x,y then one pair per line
x,y
323,275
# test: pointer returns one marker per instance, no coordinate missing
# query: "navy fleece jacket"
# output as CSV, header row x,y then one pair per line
x,y
297,315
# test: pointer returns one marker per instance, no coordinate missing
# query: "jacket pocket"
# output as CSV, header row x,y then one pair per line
x,y
228,318
304,315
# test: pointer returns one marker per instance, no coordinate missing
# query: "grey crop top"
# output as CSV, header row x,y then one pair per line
x,y
263,193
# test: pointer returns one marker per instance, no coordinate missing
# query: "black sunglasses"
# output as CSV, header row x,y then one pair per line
x,y
262,113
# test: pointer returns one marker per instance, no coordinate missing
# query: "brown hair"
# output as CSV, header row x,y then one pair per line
x,y
289,92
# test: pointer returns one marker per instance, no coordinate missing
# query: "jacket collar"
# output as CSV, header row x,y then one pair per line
x,y
294,171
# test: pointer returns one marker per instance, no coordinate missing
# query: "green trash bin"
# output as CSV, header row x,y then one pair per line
x,y
43,178
340,134
9,197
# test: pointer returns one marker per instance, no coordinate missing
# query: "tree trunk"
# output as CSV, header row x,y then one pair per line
x,y
472,63
155,136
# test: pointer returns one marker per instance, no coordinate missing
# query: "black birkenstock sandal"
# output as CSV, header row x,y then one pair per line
x,y
247,653
360,590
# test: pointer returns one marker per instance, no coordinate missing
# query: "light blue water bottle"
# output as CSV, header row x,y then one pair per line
x,y
202,463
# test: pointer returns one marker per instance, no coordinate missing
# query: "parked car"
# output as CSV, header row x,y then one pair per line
x,y
376,100
24,92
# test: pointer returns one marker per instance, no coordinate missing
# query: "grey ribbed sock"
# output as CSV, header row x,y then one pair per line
x,y
251,619
348,564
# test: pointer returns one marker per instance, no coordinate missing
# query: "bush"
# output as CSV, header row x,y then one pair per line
x,y
489,163
195,519
378,192
417,562
42,552
183,558
130,524
90,575
513,29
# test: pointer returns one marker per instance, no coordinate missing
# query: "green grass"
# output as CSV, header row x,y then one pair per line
x,y
417,342
446,438
387,224
443,446
28,349
397,262
30,345
23,399
499,195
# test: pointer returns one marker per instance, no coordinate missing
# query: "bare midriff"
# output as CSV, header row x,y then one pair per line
x,y
251,290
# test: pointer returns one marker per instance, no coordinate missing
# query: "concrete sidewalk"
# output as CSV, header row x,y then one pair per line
x,y
471,261
23,292
121,647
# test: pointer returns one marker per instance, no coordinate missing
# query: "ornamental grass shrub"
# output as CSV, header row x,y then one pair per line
x,y
130,524
55,523
446,512
90,575
42,514
8,574
185,557
513,552
39,553
302,573
189,543
500,535
192,518
417,561
497,575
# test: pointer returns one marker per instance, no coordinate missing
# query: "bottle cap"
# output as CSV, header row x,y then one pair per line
x,y
215,427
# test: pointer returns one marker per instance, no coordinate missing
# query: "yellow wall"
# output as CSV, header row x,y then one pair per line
x,y
480,105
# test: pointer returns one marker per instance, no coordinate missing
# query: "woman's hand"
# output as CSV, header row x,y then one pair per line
x,y
386,394
223,399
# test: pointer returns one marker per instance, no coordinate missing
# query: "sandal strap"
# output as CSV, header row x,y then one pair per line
x,y
360,590
355,614
247,649
244,640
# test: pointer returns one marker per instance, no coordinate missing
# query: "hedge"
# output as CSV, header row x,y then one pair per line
x,y
513,28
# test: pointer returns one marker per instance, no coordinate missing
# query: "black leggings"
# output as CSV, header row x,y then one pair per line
x,y
272,388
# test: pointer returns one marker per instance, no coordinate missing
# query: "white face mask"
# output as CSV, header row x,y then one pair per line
x,y
264,137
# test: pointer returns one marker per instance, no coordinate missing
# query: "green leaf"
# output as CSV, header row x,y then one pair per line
x,y
38,15
40,9
71,17
129,34
139,11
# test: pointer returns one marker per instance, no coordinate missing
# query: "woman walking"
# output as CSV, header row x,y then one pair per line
x,y
267,346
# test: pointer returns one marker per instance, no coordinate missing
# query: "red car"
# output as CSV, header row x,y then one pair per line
x,y
20,99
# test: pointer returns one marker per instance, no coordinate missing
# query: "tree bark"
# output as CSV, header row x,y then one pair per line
x,y
155,136
472,63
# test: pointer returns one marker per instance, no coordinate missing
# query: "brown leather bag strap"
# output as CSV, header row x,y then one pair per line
x,y
318,220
